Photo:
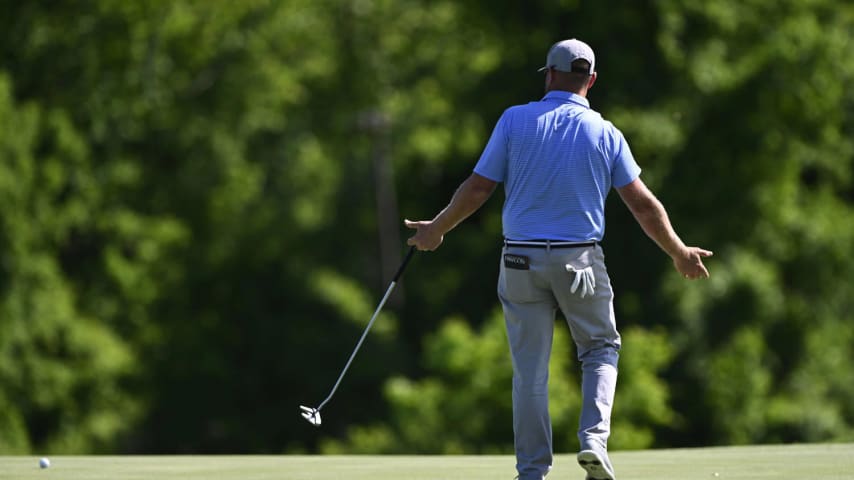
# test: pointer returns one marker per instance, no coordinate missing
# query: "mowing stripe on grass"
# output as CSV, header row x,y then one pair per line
x,y
779,462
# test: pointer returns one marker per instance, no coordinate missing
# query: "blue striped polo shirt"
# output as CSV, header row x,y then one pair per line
x,y
558,159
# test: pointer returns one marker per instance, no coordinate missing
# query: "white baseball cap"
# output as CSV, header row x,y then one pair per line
x,y
563,53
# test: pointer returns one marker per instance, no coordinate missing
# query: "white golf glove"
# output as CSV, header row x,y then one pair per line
x,y
583,277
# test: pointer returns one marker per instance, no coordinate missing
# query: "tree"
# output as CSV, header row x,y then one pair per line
x,y
190,231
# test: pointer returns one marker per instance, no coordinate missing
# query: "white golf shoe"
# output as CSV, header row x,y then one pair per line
x,y
598,467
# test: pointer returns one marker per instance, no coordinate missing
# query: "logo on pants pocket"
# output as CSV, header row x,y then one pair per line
x,y
517,262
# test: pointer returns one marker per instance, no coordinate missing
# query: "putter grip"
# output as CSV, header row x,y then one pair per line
x,y
404,264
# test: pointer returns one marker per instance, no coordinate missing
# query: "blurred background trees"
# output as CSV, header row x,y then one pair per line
x,y
201,202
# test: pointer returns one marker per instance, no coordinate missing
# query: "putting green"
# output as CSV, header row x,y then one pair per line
x,y
779,462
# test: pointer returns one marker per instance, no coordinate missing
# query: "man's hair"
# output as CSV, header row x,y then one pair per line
x,y
575,80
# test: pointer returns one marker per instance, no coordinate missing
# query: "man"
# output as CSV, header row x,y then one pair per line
x,y
558,159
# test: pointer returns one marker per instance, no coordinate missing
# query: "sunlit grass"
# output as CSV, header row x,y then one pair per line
x,y
788,462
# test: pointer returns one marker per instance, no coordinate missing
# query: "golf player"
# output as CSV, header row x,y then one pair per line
x,y
558,159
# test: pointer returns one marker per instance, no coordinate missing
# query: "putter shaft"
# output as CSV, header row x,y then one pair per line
x,y
312,415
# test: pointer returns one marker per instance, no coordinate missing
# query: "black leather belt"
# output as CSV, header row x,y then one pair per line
x,y
547,243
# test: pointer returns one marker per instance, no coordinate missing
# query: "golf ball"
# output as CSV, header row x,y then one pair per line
x,y
44,462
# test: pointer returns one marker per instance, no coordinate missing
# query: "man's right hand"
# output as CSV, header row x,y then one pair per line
x,y
427,236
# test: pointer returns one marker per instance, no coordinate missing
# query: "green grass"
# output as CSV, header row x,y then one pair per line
x,y
782,462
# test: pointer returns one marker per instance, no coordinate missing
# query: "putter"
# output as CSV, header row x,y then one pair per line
x,y
313,414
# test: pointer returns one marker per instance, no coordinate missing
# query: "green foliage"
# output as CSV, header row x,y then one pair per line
x,y
642,404
464,404
738,384
62,370
788,249
189,221
465,397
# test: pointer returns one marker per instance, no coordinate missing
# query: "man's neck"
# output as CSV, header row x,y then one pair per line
x,y
582,93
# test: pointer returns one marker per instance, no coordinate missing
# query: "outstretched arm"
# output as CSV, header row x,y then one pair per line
x,y
652,217
469,197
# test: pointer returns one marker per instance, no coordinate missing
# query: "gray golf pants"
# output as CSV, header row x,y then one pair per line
x,y
532,285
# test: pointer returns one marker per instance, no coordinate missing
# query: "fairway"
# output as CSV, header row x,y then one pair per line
x,y
786,462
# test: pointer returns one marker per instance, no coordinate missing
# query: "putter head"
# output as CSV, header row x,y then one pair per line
x,y
311,414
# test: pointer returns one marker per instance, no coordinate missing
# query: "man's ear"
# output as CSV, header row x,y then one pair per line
x,y
592,80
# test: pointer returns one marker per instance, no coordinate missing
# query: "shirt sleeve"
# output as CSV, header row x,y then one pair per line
x,y
625,169
493,160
